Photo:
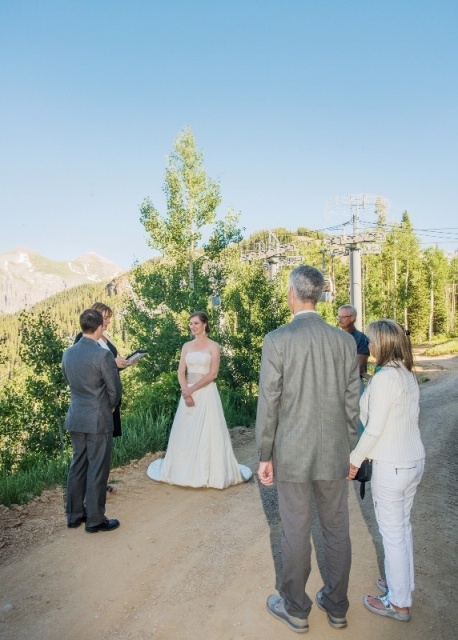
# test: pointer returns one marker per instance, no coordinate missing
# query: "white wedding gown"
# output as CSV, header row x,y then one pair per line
x,y
199,453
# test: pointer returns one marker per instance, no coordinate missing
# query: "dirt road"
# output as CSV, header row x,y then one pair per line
x,y
199,564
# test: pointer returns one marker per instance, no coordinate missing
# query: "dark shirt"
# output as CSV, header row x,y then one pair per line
x,y
362,342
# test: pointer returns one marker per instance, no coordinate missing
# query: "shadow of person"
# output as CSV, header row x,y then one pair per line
x,y
367,511
366,507
269,501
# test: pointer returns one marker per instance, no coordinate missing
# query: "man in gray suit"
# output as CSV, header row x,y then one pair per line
x,y
306,422
95,390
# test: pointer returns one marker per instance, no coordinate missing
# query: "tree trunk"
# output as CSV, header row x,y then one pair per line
x,y
406,319
395,288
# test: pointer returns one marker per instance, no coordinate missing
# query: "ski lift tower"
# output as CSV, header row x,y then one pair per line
x,y
353,204
273,254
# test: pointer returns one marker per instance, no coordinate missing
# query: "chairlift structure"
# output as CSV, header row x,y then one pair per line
x,y
273,253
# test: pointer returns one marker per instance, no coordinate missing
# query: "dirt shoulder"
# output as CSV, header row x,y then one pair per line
x,y
199,564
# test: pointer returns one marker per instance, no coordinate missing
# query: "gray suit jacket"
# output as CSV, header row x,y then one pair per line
x,y
308,403
95,387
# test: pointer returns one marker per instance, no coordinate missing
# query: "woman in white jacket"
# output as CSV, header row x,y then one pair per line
x,y
391,438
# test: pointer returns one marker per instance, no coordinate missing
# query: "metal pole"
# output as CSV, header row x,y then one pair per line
x,y
355,285
355,275
273,267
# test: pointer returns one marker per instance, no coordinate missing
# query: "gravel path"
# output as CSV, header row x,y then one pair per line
x,y
199,564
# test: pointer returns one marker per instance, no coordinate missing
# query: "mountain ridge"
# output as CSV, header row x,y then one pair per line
x,y
26,277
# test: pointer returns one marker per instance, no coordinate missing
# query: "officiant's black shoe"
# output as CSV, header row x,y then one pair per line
x,y
76,524
106,525
276,607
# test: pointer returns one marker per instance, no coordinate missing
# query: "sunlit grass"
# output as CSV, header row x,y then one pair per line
x,y
445,348
141,435
23,485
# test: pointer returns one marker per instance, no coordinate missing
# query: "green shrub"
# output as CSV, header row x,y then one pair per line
x,y
22,486
141,433
160,398
239,407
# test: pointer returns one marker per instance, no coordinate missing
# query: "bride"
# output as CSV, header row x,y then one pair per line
x,y
199,453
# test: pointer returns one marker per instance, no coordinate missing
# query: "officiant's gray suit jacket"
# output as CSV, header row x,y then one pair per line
x,y
308,403
95,387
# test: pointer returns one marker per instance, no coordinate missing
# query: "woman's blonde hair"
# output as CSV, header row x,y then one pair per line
x,y
104,309
391,342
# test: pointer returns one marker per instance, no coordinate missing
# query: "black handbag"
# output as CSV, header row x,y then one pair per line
x,y
364,475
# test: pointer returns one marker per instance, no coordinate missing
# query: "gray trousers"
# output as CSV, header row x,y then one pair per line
x,y
88,477
295,506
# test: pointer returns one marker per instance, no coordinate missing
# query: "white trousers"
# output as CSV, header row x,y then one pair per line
x,y
393,489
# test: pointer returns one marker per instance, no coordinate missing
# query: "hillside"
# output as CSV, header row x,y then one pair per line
x,y
27,277
64,309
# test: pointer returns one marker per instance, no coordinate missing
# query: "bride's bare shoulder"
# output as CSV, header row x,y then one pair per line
x,y
186,347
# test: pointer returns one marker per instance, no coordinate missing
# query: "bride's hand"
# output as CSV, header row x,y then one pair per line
x,y
189,401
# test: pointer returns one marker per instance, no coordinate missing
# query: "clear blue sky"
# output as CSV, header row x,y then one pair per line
x,y
292,102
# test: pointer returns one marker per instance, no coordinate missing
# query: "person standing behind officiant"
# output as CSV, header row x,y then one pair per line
x,y
105,342
346,316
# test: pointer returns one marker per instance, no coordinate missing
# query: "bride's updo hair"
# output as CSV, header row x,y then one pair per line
x,y
203,318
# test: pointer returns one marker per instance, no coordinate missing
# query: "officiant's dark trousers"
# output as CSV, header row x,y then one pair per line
x,y
295,506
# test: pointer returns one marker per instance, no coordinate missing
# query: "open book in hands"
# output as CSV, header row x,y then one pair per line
x,y
135,356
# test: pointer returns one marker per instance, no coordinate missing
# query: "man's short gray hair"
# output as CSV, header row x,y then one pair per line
x,y
349,308
307,283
